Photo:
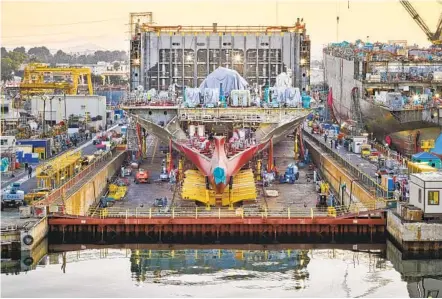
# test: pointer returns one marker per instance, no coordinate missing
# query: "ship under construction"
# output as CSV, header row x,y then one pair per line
x,y
387,89
390,89
161,56
219,95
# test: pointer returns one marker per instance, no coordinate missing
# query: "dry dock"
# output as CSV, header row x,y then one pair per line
x,y
290,217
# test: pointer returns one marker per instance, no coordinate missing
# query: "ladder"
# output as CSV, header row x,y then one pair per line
x,y
356,110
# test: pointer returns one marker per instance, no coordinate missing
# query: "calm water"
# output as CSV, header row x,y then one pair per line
x,y
115,272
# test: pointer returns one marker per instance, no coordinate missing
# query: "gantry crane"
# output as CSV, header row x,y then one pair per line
x,y
34,80
436,37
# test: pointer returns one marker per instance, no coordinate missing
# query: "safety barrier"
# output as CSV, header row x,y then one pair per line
x,y
218,213
363,178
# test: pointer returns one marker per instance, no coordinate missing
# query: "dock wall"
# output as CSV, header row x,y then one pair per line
x,y
80,201
337,175
414,236
32,236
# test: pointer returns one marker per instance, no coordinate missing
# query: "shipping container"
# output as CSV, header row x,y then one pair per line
x,y
38,143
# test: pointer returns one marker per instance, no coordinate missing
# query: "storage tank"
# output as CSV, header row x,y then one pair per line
x,y
192,130
201,130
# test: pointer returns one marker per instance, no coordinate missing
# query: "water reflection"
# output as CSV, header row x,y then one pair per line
x,y
153,264
382,271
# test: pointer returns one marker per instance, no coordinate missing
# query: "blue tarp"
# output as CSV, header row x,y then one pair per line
x,y
438,146
424,156
432,160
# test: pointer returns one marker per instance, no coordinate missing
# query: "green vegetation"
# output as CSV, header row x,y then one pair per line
x,y
11,61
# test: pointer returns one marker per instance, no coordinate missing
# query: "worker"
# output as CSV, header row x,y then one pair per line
x,y
26,166
325,137
331,143
29,171
336,144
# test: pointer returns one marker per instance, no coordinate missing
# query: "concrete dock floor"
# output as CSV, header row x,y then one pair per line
x,y
354,159
299,195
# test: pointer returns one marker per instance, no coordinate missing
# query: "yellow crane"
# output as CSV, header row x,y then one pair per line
x,y
436,37
39,79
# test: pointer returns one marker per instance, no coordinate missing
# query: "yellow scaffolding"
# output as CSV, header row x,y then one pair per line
x,y
57,171
34,80
194,188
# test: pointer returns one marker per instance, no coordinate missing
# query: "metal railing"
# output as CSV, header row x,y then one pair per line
x,y
218,213
9,228
363,178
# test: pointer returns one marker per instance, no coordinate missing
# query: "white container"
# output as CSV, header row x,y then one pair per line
x,y
25,212
201,130
192,130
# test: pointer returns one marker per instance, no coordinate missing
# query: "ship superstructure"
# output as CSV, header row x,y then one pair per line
x,y
161,56
386,88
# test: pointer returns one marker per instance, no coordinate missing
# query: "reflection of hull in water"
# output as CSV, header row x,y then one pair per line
x,y
210,261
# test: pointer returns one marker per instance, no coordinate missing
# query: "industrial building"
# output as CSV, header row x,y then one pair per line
x,y
60,107
161,56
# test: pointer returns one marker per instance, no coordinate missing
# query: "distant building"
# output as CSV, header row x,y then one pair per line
x,y
58,109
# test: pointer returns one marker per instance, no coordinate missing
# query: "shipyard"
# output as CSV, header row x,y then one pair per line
x,y
225,153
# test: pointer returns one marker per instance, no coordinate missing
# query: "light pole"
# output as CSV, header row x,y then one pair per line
x,y
44,98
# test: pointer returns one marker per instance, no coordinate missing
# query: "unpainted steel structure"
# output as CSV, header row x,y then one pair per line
x,y
185,55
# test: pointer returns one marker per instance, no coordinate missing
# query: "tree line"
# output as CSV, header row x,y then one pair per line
x,y
11,60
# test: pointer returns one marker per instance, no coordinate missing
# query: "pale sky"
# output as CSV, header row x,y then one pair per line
x,y
79,25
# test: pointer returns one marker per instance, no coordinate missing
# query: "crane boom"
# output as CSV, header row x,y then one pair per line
x,y
438,33
413,13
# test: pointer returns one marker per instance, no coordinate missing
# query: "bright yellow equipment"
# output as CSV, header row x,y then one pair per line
x,y
365,150
427,145
58,171
117,192
194,188
36,77
418,167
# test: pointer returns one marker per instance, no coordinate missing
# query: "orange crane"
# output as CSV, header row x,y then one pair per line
x,y
436,37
